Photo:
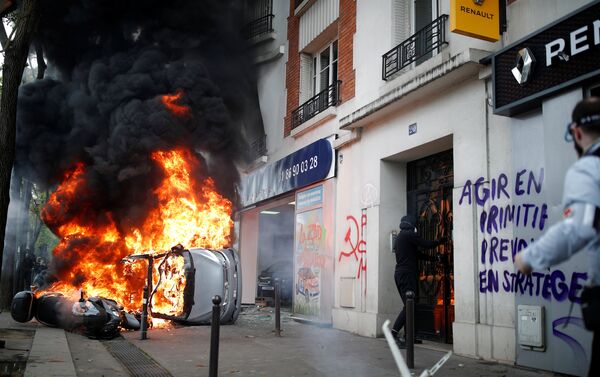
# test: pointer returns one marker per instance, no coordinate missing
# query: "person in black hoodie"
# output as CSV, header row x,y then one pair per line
x,y
408,249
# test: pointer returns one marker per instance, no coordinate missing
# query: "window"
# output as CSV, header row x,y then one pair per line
x,y
319,85
428,30
424,12
324,68
318,71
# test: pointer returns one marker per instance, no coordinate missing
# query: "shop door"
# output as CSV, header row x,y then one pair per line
x,y
430,182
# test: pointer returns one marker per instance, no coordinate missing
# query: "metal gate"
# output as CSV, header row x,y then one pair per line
x,y
429,191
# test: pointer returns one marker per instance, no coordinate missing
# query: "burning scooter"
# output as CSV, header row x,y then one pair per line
x,y
95,317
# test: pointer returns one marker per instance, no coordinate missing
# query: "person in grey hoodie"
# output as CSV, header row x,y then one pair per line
x,y
408,248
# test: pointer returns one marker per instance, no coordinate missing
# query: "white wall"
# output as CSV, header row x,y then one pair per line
x,y
271,78
457,116
249,254
374,38
392,207
548,149
527,16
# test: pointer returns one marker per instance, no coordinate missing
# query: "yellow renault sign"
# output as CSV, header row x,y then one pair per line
x,y
476,18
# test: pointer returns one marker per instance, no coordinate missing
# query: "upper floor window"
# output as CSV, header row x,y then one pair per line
x,y
318,70
324,68
428,35
319,85
425,11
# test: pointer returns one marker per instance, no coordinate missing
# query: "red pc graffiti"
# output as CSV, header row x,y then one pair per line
x,y
355,238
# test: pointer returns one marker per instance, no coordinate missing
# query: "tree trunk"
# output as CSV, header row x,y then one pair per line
x,y
7,286
15,57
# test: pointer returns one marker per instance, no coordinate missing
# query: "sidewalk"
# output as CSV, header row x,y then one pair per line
x,y
248,348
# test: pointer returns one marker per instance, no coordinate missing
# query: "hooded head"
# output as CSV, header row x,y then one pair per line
x,y
584,129
407,222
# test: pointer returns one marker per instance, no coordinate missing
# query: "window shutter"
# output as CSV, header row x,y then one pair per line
x,y
305,77
400,21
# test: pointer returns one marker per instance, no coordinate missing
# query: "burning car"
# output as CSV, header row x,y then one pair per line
x,y
187,281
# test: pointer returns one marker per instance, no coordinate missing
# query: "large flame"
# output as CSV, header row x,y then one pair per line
x,y
90,252
190,214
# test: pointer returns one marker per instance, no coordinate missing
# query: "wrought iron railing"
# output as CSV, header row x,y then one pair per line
x,y
431,37
330,96
260,26
258,146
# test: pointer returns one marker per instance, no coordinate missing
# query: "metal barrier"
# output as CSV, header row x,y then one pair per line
x,y
400,363
260,26
277,308
258,146
215,324
146,304
410,329
431,37
330,96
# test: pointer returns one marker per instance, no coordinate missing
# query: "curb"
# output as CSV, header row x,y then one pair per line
x,y
50,355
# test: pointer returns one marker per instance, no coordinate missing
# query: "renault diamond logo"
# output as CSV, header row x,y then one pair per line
x,y
478,2
524,64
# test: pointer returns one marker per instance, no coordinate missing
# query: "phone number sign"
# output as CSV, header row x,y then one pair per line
x,y
299,169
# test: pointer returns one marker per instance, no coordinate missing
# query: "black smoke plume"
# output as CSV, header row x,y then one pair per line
x,y
111,61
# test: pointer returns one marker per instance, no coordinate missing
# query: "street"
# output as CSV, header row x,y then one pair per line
x,y
247,348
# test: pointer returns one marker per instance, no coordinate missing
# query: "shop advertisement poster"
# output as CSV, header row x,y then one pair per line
x,y
310,260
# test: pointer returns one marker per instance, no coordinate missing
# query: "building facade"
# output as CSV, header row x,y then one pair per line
x,y
464,132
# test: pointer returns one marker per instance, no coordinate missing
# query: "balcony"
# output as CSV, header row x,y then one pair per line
x,y
328,97
416,48
258,27
258,146
259,18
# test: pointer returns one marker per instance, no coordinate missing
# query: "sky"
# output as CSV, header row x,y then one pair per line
x,y
8,29
31,60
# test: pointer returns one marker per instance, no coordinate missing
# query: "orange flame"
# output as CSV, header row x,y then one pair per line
x,y
190,213
169,296
169,100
